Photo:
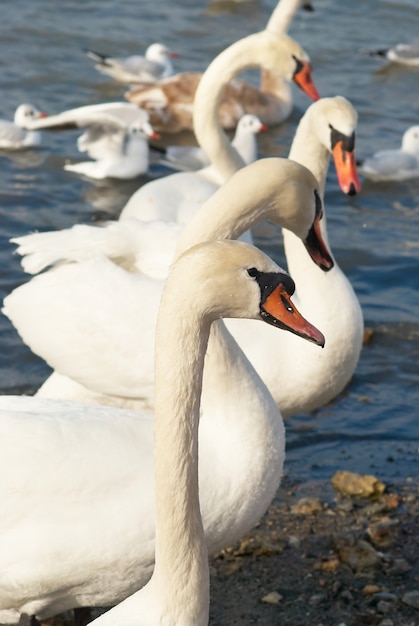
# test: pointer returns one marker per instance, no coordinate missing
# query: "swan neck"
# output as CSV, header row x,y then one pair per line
x,y
181,563
244,54
282,16
235,207
308,150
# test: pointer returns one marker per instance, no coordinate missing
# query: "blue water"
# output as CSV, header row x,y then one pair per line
x,y
374,425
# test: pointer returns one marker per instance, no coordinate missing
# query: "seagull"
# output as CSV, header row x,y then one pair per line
x,y
193,157
399,164
115,135
402,53
148,69
14,136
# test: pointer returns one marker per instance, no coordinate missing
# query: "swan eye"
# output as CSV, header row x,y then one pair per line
x,y
253,272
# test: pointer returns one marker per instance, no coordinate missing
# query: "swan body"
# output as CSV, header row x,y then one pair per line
x,y
244,141
115,135
148,69
402,53
170,104
88,313
327,127
400,164
178,196
83,534
14,135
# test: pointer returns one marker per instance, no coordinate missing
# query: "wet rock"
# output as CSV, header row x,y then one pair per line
x,y
370,590
347,596
272,598
397,567
230,567
384,595
317,599
330,565
361,486
307,506
411,598
357,553
368,336
383,533
387,502
294,541
384,607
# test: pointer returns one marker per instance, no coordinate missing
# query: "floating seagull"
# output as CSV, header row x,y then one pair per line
x,y
403,53
148,69
116,136
194,158
14,135
398,164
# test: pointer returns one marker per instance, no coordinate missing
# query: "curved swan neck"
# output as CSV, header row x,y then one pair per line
x,y
240,204
181,569
308,150
256,50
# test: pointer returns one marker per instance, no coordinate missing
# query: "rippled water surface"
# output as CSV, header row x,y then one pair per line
x,y
374,425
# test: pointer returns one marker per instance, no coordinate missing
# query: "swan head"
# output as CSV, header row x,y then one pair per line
x,y
283,55
294,203
234,279
302,77
25,114
335,121
299,67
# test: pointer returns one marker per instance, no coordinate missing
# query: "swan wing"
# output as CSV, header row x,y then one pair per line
x,y
146,247
92,462
92,321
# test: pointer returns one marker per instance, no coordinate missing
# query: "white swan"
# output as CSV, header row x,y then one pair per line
x,y
116,136
155,65
77,523
86,318
401,53
400,164
170,103
14,135
244,141
178,196
327,127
